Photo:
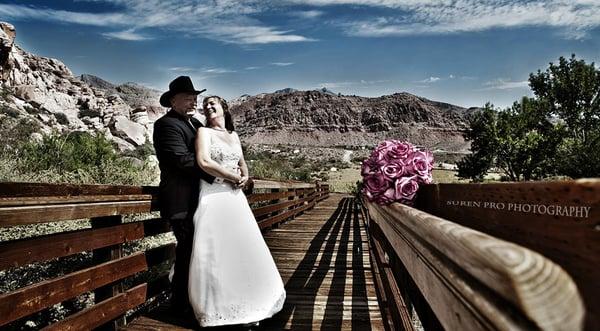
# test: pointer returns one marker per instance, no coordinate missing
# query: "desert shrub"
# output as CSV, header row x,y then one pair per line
x,y
16,131
5,92
61,118
75,157
143,151
9,111
32,110
263,164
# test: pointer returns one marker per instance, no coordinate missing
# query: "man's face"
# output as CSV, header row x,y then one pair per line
x,y
184,103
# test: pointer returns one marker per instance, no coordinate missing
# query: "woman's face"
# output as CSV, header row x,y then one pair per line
x,y
213,109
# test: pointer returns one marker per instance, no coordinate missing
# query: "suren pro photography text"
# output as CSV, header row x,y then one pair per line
x,y
542,209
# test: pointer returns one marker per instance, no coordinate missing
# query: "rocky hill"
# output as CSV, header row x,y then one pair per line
x,y
45,90
317,118
134,94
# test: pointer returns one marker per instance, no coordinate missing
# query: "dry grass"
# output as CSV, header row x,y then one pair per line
x,y
344,180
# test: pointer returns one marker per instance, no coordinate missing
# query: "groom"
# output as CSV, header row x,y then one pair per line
x,y
174,136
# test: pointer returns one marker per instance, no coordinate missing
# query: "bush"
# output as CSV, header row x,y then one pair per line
x,y
75,157
277,166
16,131
9,111
5,92
142,152
61,118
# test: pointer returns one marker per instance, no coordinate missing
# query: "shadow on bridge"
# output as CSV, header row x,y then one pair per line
x,y
328,288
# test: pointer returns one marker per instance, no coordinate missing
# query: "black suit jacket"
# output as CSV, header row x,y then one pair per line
x,y
179,172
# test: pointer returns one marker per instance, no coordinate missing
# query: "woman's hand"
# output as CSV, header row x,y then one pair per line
x,y
242,182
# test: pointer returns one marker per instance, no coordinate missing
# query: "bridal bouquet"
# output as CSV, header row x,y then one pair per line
x,y
393,172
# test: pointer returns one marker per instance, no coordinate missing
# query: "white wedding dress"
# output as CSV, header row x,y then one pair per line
x,y
233,278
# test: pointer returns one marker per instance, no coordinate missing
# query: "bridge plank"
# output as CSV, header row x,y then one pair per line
x,y
258,197
267,222
55,200
20,252
31,299
10,216
102,312
18,189
327,276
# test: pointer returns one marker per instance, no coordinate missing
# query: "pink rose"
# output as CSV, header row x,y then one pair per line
x,y
385,145
386,198
399,151
376,185
428,179
369,167
406,188
393,170
378,156
418,163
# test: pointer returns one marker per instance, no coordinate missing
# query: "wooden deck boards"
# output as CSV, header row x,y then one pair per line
x,y
323,258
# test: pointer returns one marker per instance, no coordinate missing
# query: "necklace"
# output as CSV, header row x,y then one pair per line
x,y
216,128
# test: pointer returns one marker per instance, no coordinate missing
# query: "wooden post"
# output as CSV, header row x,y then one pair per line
x,y
102,255
274,190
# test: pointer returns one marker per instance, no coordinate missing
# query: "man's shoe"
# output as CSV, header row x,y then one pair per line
x,y
250,326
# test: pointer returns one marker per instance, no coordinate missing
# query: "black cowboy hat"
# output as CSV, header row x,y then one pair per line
x,y
181,84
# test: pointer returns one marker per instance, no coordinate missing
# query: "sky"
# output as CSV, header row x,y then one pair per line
x,y
464,52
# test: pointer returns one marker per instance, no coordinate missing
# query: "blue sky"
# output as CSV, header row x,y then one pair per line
x,y
465,52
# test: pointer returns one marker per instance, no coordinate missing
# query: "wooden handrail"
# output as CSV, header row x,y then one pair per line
x,y
27,203
558,219
474,281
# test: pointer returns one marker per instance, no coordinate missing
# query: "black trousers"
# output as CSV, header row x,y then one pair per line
x,y
184,233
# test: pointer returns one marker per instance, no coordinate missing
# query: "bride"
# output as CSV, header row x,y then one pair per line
x,y
233,278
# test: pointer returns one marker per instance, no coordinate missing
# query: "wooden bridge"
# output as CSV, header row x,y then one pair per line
x,y
347,264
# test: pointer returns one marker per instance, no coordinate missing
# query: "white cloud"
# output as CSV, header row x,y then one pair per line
x,y
251,68
239,22
225,20
130,35
213,72
431,79
307,14
282,64
182,69
574,18
331,85
217,71
352,83
503,84
24,12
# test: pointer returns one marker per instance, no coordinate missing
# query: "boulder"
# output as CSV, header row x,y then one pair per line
x,y
122,145
126,129
7,40
140,118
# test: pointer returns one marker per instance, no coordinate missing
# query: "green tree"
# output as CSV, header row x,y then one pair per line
x,y
571,92
527,141
483,137
520,141
555,133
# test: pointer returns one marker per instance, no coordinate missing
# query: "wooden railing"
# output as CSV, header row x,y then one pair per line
x,y
120,281
475,257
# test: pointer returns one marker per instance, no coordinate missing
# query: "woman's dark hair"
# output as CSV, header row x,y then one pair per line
x,y
226,113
